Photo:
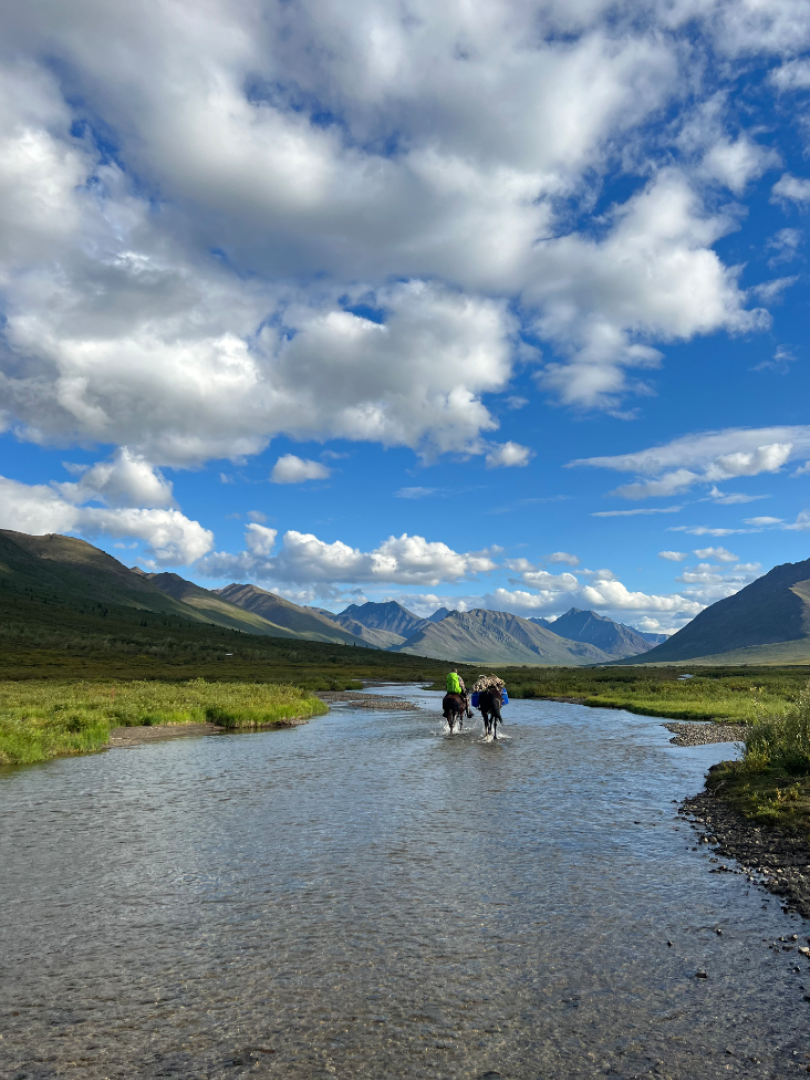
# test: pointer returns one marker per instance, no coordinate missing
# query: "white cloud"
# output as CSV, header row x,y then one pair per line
x,y
782,359
637,511
786,243
673,556
171,538
126,480
507,455
791,189
705,458
721,554
760,522
732,498
769,458
305,559
563,557
801,524
736,163
670,484
794,75
653,276
707,530
259,539
290,469
469,140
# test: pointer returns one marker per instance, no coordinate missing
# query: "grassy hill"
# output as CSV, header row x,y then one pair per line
x,y
767,622
215,609
305,623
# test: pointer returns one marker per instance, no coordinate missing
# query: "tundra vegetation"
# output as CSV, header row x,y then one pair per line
x,y
41,719
771,782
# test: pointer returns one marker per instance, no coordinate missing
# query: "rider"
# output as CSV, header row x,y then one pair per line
x,y
455,685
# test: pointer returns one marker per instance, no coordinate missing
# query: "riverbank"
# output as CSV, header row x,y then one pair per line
x,y
40,719
773,857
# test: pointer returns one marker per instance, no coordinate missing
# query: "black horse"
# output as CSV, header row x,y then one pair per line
x,y
489,702
454,706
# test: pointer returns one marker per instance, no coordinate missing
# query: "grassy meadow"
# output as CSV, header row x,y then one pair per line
x,y
41,719
740,695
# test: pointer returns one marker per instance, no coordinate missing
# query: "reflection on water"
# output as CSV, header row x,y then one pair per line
x,y
365,897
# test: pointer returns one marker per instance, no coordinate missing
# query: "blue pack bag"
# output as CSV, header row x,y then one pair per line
x,y
504,696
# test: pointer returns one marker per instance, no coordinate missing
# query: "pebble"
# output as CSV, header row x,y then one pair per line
x,y
701,975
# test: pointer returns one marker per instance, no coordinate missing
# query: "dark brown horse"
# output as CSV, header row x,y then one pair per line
x,y
489,702
454,706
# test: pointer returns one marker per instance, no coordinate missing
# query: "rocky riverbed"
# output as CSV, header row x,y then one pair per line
x,y
698,733
365,701
772,857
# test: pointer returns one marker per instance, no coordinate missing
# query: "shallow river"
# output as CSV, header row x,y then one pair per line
x,y
367,897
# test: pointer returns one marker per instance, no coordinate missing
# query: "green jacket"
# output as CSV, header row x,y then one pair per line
x,y
453,684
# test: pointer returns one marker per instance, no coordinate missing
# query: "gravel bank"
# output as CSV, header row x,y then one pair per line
x,y
698,733
365,701
778,860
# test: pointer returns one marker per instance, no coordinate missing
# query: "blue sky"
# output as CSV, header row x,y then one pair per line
x,y
497,305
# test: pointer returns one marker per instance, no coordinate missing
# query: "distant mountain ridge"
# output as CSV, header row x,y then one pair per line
x,y
611,637
483,636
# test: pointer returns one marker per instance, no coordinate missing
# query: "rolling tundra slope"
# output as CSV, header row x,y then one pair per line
x,y
766,622
215,608
304,622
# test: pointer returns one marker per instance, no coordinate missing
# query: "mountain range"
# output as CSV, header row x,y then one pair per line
x,y
768,622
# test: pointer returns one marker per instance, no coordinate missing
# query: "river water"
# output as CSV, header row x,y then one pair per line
x,y
368,897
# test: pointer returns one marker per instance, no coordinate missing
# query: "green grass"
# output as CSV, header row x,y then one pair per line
x,y
738,695
771,783
42,719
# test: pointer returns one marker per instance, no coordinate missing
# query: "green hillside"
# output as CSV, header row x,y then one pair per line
x,y
303,622
215,608
767,622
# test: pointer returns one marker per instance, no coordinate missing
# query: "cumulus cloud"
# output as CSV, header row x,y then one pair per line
x,y
290,469
721,554
170,537
673,556
507,455
127,479
305,559
297,165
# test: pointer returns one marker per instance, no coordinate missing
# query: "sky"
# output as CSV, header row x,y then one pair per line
x,y
473,304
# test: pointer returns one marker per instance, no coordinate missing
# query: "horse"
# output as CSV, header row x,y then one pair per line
x,y
489,702
454,706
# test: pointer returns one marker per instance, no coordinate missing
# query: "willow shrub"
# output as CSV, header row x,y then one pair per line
x,y
781,742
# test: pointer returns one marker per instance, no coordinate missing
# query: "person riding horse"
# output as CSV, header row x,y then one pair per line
x,y
455,703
